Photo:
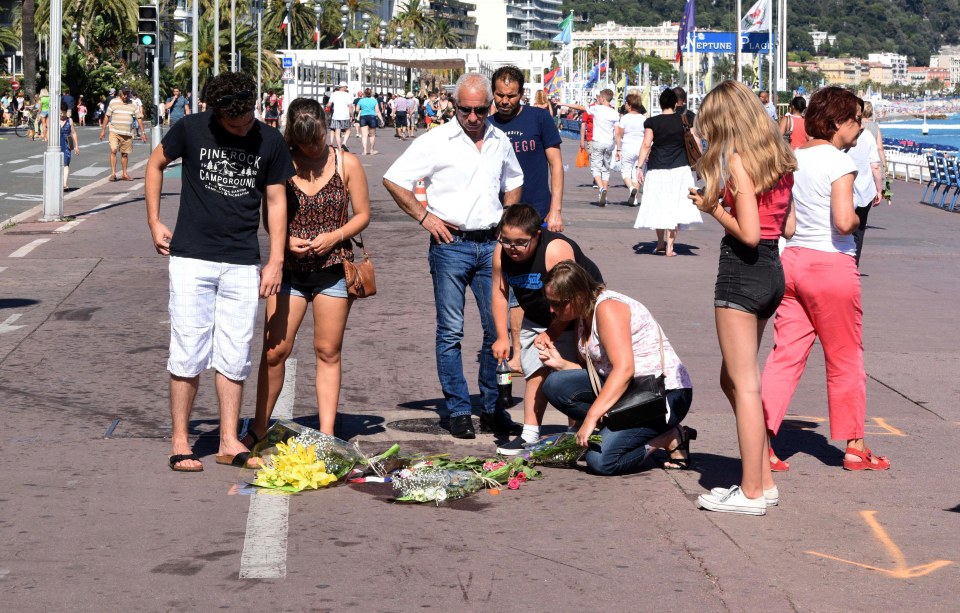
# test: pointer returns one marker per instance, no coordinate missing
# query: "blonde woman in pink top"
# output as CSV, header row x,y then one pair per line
x,y
752,167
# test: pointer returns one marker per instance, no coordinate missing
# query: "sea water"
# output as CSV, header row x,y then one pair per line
x,y
941,131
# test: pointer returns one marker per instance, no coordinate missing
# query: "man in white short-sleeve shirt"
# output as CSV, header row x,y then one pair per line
x,y
341,103
868,186
467,164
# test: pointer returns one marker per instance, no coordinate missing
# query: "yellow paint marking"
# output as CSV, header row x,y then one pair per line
x,y
900,569
882,423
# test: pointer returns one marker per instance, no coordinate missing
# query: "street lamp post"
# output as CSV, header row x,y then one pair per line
x,y
52,157
318,10
216,37
399,37
366,29
258,5
344,20
195,84
289,24
158,119
233,35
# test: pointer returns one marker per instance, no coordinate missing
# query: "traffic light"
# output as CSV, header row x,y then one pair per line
x,y
147,27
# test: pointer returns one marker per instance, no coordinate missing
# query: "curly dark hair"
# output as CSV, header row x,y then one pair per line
x,y
830,107
231,94
508,74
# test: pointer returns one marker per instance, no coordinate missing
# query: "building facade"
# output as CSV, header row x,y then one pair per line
x,y
459,15
659,40
897,64
514,24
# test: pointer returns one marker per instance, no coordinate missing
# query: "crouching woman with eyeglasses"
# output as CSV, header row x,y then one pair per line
x,y
623,340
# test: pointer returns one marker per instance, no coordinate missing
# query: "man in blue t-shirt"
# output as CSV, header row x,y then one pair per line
x,y
536,142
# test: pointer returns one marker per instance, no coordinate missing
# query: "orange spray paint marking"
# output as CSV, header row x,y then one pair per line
x,y
900,569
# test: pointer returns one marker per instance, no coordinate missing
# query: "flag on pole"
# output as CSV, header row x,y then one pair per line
x,y
549,77
602,67
757,18
552,81
687,25
316,34
286,21
566,31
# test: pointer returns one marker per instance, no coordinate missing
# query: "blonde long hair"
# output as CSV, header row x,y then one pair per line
x,y
732,119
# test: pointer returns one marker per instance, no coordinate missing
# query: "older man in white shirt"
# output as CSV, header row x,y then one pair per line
x,y
467,164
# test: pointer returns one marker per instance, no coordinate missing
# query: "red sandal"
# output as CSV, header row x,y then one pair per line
x,y
779,466
866,460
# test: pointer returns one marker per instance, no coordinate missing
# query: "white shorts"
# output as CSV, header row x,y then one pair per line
x,y
213,310
566,344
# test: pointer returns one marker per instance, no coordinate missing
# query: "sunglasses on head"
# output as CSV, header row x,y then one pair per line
x,y
238,97
479,111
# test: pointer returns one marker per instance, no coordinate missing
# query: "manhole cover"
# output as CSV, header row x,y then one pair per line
x,y
426,425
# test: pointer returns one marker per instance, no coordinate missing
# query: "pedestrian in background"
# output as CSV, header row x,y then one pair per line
x,y
341,112
792,124
368,111
668,177
176,106
121,115
628,138
69,143
469,164
82,111
232,165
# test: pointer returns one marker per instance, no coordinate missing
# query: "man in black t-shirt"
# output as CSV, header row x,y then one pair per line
x,y
231,162
521,260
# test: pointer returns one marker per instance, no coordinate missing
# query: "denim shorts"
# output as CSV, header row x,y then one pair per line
x,y
749,279
369,121
332,285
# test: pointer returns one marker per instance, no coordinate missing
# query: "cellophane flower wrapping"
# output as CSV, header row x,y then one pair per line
x,y
339,457
423,482
294,468
558,450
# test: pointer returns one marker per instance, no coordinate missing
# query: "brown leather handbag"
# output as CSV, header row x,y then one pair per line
x,y
690,142
361,281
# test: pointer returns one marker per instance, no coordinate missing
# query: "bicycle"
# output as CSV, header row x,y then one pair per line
x,y
24,126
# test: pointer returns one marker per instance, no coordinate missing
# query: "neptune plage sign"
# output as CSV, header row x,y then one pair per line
x,y
725,42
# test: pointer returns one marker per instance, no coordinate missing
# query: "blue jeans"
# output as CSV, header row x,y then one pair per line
x,y
454,266
621,451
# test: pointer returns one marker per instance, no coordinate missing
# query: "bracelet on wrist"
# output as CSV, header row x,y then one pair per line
x,y
425,213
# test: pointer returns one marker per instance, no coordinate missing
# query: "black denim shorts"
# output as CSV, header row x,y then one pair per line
x,y
749,279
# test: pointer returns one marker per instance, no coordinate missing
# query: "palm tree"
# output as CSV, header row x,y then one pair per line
x,y
441,36
246,48
29,48
9,39
413,17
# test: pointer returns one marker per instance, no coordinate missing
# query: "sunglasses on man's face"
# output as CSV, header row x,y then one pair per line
x,y
479,111
239,97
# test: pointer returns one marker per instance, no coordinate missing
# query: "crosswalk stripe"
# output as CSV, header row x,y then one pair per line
x,y
31,169
89,171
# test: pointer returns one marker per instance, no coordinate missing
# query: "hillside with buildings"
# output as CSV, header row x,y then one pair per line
x,y
916,29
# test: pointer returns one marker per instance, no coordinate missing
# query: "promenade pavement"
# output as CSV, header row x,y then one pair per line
x,y
94,520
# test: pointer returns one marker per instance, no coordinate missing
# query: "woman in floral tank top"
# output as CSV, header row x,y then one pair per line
x,y
319,233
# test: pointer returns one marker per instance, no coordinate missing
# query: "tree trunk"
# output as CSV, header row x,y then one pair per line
x,y
29,50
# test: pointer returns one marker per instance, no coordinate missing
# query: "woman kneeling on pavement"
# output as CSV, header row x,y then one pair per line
x,y
623,340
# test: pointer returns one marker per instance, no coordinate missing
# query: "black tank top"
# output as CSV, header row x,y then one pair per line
x,y
526,278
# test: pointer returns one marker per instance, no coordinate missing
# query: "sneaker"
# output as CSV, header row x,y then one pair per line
x,y
772,495
733,501
514,447
603,198
632,198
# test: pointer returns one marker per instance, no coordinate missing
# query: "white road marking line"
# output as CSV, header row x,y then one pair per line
x,y
2,268
265,543
23,251
119,197
6,325
31,169
70,225
89,171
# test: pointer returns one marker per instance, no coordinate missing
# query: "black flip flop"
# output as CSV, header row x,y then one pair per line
x,y
239,460
176,459
253,435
